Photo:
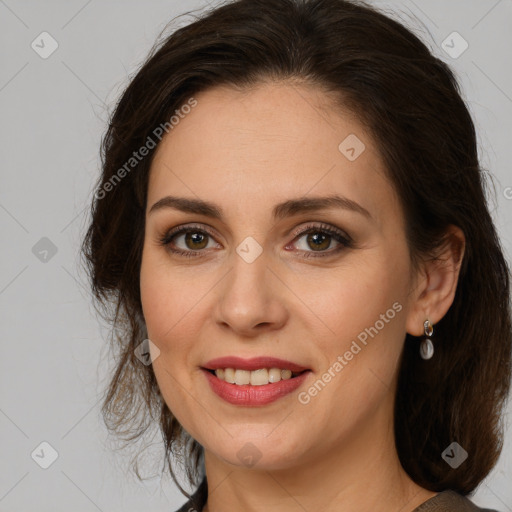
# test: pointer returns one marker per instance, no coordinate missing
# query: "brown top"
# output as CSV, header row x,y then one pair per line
x,y
445,501
450,501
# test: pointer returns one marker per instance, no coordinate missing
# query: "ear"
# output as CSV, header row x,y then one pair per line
x,y
436,283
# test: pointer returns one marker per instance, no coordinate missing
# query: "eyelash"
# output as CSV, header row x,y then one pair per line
x,y
342,238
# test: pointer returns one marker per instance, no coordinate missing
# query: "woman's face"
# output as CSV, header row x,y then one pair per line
x,y
256,286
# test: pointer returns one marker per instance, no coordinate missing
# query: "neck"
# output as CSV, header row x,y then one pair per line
x,y
361,473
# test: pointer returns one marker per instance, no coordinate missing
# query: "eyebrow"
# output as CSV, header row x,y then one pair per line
x,y
280,211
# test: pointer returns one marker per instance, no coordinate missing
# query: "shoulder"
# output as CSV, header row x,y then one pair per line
x,y
450,501
187,507
445,501
197,500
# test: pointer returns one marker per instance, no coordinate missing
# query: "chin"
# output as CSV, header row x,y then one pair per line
x,y
266,454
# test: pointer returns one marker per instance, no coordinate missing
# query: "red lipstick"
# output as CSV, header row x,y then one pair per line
x,y
249,395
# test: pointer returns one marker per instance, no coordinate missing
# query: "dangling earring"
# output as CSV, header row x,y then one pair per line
x,y
426,345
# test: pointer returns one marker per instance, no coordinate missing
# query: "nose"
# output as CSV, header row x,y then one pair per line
x,y
251,298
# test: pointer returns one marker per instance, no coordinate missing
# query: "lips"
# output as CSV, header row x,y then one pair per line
x,y
255,363
254,396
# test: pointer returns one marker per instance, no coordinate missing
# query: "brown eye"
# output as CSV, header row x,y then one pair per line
x,y
187,240
318,241
195,240
191,241
319,238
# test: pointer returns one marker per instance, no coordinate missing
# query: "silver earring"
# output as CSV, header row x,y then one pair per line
x,y
426,345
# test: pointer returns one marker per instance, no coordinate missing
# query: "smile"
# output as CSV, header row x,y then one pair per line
x,y
243,393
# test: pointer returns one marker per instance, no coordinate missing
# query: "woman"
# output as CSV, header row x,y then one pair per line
x,y
307,289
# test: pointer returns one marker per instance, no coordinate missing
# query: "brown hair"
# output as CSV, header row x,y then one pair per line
x,y
410,101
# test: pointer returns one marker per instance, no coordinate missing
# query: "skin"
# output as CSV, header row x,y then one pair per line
x,y
247,151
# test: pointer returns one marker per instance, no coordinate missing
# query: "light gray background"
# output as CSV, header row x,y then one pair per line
x,y
53,112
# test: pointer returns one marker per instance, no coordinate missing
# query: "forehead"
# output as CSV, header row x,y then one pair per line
x,y
266,144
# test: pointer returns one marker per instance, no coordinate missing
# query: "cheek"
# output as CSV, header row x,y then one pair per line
x,y
167,298
173,302
167,311
162,306
362,312
360,357
351,298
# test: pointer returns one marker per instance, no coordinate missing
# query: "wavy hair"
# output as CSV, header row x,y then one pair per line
x,y
411,103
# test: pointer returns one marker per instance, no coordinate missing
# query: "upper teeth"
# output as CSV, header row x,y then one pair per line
x,y
255,378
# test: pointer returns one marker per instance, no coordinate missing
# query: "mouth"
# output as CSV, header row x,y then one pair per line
x,y
254,388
